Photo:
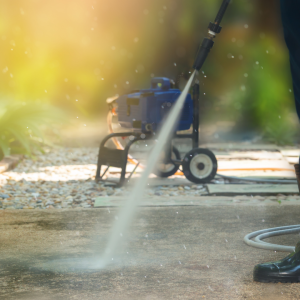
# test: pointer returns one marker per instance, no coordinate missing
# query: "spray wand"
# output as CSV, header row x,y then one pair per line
x,y
213,30
204,49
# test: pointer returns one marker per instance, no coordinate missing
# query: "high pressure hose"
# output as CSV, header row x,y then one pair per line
x,y
266,233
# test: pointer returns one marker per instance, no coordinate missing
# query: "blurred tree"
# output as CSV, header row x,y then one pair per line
x,y
75,54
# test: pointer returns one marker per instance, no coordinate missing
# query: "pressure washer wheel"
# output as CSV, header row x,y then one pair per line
x,y
200,165
166,169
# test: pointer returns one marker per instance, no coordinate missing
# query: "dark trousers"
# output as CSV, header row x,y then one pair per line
x,y
290,12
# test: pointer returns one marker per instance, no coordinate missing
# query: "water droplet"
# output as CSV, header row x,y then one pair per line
x,y
226,241
290,90
184,246
121,274
76,100
145,276
257,62
246,26
263,220
179,262
176,212
127,82
112,259
279,117
207,266
204,94
246,75
233,40
205,76
267,51
45,91
175,64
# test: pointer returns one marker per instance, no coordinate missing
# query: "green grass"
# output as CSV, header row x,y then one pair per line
x,y
22,125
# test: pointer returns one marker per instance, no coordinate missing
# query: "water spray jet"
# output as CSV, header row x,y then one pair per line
x,y
159,113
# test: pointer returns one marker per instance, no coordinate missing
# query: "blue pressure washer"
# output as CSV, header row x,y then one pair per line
x,y
143,112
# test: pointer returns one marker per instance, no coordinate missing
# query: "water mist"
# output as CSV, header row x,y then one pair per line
x,y
127,212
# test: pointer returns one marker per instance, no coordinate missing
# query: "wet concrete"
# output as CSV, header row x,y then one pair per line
x,y
170,253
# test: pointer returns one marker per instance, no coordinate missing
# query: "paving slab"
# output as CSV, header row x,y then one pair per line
x,y
245,200
254,155
254,165
253,188
290,152
241,146
178,252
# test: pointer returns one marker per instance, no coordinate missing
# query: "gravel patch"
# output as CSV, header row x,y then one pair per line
x,y
64,178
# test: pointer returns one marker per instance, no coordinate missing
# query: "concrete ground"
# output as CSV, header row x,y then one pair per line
x,y
174,252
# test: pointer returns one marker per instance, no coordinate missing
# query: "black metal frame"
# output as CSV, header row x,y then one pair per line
x,y
116,157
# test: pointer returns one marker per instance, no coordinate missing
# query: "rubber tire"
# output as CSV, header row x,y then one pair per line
x,y
187,167
158,173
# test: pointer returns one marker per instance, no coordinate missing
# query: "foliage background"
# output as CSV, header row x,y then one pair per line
x,y
73,54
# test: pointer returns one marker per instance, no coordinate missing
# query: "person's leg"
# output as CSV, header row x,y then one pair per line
x,y
287,269
290,10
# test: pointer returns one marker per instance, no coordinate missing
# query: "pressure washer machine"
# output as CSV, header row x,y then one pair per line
x,y
143,113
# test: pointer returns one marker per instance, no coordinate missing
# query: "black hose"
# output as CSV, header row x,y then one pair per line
x,y
221,12
258,180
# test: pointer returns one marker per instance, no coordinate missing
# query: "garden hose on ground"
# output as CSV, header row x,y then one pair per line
x,y
286,181
265,233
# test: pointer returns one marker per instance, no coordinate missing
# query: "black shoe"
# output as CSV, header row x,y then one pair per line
x,y
285,270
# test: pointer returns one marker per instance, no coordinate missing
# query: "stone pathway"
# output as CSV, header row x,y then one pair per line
x,y
64,178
